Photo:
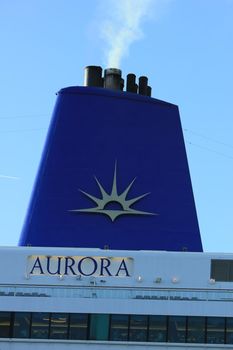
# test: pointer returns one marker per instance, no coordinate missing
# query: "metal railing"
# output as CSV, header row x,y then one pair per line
x,y
104,292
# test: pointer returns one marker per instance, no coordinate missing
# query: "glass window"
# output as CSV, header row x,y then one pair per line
x,y
196,329
231,271
215,330
5,320
157,328
78,326
59,326
22,325
222,270
138,328
177,329
119,327
229,330
40,325
99,326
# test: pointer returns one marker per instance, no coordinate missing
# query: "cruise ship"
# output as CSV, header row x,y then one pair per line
x,y
110,255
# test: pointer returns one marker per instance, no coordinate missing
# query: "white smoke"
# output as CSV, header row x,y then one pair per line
x,y
123,27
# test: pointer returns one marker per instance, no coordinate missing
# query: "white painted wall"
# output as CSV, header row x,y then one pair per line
x,y
192,270
91,345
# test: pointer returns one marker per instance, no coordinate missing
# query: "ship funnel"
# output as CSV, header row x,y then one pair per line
x,y
118,135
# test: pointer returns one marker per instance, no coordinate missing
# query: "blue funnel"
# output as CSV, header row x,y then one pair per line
x,y
113,173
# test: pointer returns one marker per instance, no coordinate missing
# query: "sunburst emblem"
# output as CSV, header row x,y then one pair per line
x,y
114,197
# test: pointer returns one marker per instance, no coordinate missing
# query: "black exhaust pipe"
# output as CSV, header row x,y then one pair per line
x,y
142,89
93,76
131,85
112,80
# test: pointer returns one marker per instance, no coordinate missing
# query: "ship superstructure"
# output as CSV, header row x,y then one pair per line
x,y
110,255
104,299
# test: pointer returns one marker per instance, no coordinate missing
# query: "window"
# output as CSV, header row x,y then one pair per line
x,y
21,327
215,330
196,329
229,330
59,326
99,325
78,326
157,328
138,328
40,325
177,329
5,320
119,327
222,270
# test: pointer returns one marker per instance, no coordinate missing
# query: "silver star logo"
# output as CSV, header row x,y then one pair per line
x,y
114,197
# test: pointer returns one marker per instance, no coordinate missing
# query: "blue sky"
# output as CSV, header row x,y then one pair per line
x,y
186,50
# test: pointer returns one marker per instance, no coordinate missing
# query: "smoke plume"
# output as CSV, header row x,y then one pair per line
x,y
123,27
